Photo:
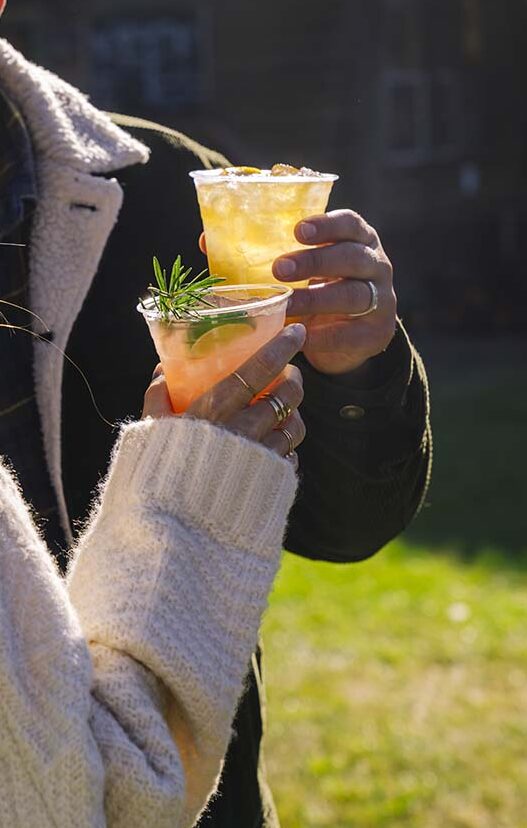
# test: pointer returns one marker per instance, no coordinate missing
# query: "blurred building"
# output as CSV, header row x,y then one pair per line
x,y
418,104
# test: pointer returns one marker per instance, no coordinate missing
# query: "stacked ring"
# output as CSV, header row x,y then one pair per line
x,y
245,384
290,442
281,409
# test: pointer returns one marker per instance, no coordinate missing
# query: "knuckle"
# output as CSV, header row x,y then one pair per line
x,y
151,392
353,220
373,237
359,226
295,392
295,374
251,426
388,267
392,304
309,302
364,260
385,335
297,428
315,261
264,363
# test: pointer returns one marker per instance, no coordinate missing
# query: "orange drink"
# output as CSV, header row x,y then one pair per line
x,y
249,216
215,337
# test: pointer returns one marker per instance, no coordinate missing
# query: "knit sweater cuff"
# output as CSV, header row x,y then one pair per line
x,y
236,490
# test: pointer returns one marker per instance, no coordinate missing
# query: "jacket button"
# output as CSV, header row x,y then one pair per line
x,y
352,412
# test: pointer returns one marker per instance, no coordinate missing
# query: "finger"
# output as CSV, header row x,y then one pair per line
x,y
230,395
338,225
279,442
157,400
357,340
293,459
343,259
345,296
260,418
202,243
158,370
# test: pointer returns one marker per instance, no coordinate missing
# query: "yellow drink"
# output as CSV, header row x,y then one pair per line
x,y
249,219
198,351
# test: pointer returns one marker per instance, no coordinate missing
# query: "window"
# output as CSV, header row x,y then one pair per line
x,y
420,116
152,62
420,82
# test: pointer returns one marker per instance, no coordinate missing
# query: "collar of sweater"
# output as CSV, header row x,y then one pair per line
x,y
64,125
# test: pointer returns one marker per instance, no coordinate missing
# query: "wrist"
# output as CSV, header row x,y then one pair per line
x,y
205,476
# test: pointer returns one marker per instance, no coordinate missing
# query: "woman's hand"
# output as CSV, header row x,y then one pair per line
x,y
231,402
341,332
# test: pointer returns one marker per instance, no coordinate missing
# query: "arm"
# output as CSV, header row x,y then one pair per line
x,y
167,589
362,478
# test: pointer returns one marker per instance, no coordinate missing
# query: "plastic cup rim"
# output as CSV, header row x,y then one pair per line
x,y
282,293
263,177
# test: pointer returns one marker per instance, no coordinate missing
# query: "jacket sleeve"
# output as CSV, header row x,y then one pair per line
x,y
366,460
118,692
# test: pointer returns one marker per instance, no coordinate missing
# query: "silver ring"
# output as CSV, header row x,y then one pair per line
x,y
290,442
374,301
280,408
245,384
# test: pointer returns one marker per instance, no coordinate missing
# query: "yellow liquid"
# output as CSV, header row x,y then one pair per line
x,y
248,224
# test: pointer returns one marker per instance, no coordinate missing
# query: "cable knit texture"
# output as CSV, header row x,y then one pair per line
x,y
117,688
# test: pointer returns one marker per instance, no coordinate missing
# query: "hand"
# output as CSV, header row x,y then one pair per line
x,y
350,252
231,404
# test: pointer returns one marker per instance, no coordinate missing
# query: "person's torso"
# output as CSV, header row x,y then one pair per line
x,y
111,344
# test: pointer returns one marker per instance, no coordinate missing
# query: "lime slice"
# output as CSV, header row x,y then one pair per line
x,y
208,334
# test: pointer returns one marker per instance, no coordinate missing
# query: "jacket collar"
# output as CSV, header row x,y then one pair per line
x,y
65,127
76,209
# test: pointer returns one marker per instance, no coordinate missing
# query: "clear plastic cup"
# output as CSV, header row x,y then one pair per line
x,y
198,352
249,219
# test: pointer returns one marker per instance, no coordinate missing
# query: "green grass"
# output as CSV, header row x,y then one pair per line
x,y
397,688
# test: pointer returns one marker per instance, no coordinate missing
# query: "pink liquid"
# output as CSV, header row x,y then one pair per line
x,y
189,375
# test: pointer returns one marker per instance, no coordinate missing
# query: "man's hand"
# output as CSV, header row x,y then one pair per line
x,y
350,253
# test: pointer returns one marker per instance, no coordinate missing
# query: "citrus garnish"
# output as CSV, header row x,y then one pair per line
x,y
205,336
284,169
241,171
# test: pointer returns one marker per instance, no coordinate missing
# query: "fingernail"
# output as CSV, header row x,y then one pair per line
x,y
285,268
298,329
307,231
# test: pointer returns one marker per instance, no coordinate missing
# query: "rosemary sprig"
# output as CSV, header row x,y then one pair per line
x,y
177,296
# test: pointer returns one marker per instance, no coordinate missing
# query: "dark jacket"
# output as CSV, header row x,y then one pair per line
x,y
362,477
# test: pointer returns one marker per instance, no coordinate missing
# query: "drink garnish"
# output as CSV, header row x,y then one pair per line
x,y
177,297
284,169
241,171
205,336
287,169
275,171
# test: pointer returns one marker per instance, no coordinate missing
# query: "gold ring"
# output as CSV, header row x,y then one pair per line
x,y
245,384
374,301
290,442
280,408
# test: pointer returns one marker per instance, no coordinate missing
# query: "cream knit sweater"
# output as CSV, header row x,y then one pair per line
x,y
118,687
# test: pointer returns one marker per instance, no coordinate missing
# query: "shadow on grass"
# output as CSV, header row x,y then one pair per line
x,y
478,497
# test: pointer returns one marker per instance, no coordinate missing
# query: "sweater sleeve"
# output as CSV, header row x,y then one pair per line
x,y
119,695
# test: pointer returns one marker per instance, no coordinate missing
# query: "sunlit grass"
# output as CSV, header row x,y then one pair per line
x,y
397,693
398,687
